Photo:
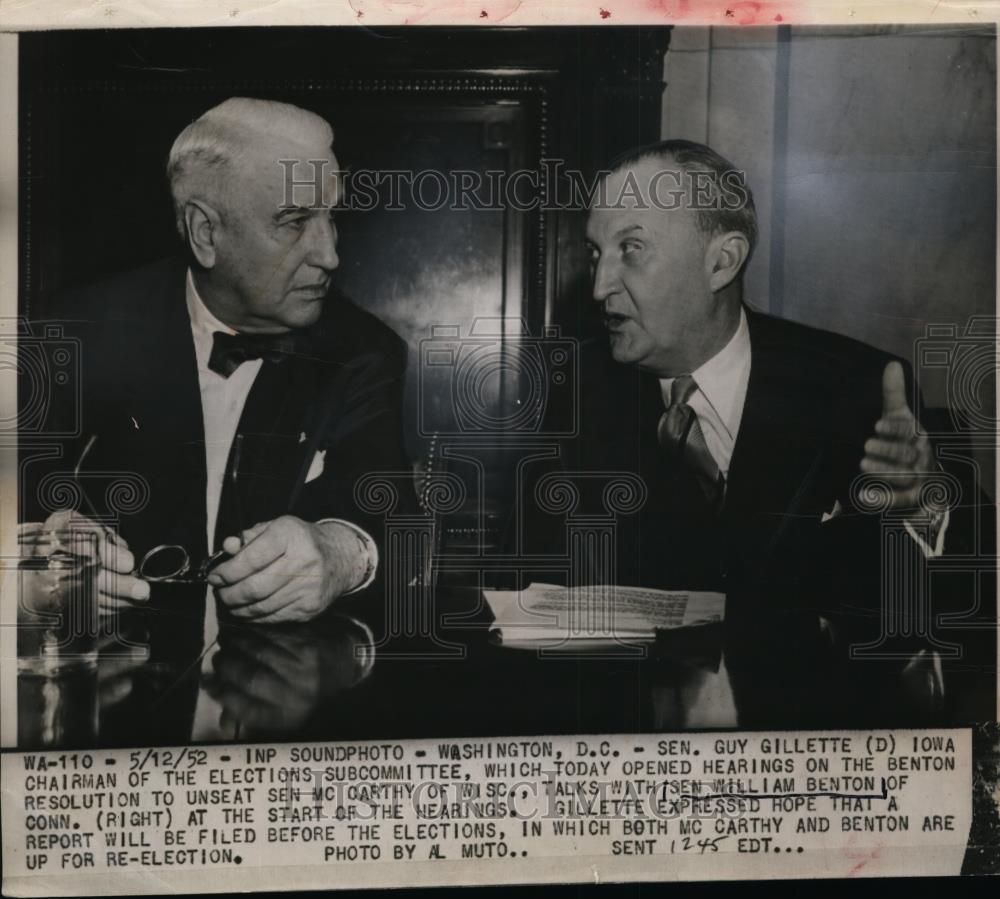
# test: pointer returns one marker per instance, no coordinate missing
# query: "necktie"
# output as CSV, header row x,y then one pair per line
x,y
230,351
681,436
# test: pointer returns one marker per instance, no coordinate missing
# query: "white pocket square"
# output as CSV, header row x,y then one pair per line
x,y
833,513
316,466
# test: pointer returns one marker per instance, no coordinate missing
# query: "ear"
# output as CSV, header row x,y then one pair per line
x,y
202,227
726,256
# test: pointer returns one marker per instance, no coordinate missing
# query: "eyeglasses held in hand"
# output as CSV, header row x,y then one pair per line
x,y
169,563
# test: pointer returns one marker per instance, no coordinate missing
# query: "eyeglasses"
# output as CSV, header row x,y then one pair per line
x,y
170,563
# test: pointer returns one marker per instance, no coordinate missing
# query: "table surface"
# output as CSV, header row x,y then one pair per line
x,y
358,673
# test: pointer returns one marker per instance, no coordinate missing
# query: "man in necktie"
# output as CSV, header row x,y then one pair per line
x,y
748,430
247,396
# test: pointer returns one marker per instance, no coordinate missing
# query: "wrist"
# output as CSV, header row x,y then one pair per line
x,y
351,556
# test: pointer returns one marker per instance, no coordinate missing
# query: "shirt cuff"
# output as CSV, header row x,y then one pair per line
x,y
369,549
939,524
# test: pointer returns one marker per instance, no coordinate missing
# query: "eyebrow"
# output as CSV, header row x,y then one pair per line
x,y
288,211
621,232
285,212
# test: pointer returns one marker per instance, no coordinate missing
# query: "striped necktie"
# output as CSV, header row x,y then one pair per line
x,y
680,434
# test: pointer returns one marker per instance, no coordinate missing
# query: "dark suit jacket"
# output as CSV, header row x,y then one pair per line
x,y
340,393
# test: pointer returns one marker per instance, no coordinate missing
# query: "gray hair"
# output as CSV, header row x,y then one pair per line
x,y
695,157
208,151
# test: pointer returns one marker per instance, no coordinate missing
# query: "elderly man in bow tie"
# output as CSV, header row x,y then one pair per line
x,y
247,395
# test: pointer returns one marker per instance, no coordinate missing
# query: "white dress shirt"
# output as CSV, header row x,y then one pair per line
x,y
222,402
719,399
721,394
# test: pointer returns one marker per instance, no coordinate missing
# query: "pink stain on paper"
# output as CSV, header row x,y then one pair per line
x,y
740,12
524,12
735,12
861,856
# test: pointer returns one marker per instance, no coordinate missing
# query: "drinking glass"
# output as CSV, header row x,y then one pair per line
x,y
57,602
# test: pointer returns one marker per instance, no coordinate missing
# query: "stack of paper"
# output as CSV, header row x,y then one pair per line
x,y
600,614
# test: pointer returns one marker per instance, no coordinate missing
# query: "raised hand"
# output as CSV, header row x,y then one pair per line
x,y
897,449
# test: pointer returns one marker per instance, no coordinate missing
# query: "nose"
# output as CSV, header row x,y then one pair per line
x,y
607,281
323,249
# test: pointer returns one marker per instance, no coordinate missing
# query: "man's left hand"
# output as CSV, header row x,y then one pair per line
x,y
897,449
287,570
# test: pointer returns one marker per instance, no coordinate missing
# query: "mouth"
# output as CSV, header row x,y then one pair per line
x,y
314,290
613,321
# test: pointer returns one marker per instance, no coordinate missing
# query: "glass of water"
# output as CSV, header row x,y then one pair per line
x,y
58,617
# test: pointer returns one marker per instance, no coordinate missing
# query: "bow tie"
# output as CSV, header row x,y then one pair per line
x,y
230,351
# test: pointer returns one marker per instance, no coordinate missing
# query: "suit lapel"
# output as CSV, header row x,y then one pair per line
x,y
778,454
273,429
281,426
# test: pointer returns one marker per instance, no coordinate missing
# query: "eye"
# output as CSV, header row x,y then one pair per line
x,y
296,224
630,247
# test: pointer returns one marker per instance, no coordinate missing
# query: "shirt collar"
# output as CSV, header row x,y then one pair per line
x,y
723,378
203,322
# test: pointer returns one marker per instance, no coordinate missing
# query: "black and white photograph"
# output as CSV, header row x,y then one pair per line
x,y
489,386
